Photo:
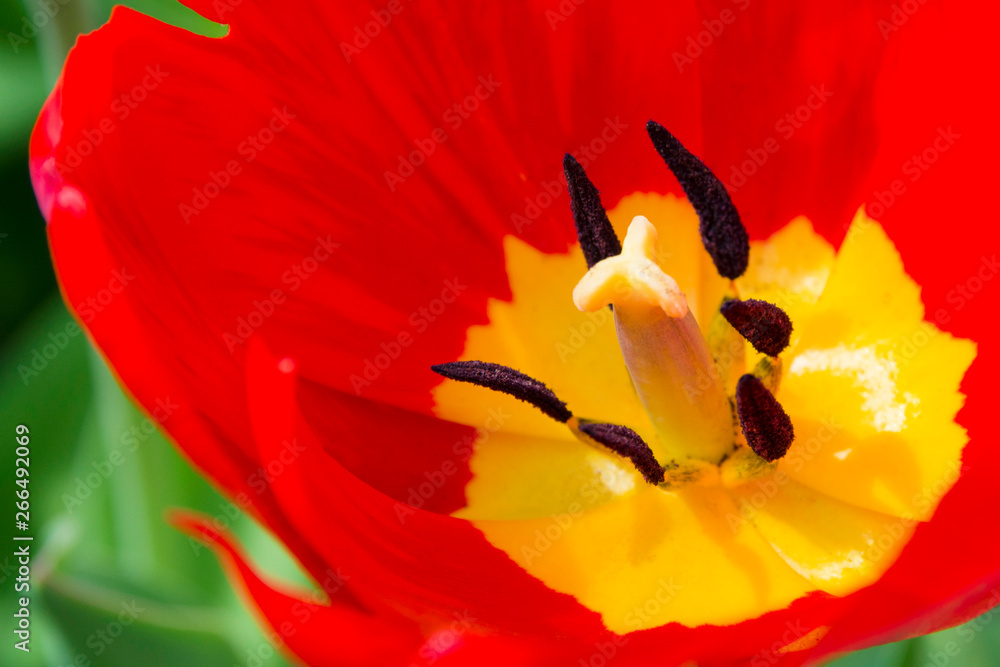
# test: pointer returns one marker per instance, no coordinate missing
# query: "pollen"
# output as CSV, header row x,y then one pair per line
x,y
508,381
767,427
629,444
593,228
722,231
766,326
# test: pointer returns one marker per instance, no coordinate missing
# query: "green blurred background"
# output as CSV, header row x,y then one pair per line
x,y
103,548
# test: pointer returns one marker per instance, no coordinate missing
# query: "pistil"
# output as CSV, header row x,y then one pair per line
x,y
664,350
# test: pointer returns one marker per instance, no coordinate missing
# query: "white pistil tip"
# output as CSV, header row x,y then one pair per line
x,y
632,278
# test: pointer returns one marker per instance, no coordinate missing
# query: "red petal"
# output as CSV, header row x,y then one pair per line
x,y
934,82
373,316
319,633
776,60
427,564
175,395
164,333
432,567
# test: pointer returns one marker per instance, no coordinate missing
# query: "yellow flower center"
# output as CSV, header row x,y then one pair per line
x,y
876,442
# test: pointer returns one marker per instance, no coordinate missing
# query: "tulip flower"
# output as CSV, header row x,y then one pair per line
x,y
556,333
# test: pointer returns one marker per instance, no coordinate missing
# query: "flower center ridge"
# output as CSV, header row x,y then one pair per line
x,y
716,422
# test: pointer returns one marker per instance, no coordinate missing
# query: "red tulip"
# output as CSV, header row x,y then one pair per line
x,y
318,207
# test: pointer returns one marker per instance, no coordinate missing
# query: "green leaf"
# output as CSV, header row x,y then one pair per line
x,y
97,514
22,91
891,655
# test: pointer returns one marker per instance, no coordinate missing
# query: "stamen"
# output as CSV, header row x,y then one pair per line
x,y
766,326
767,427
597,237
509,381
722,232
629,444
